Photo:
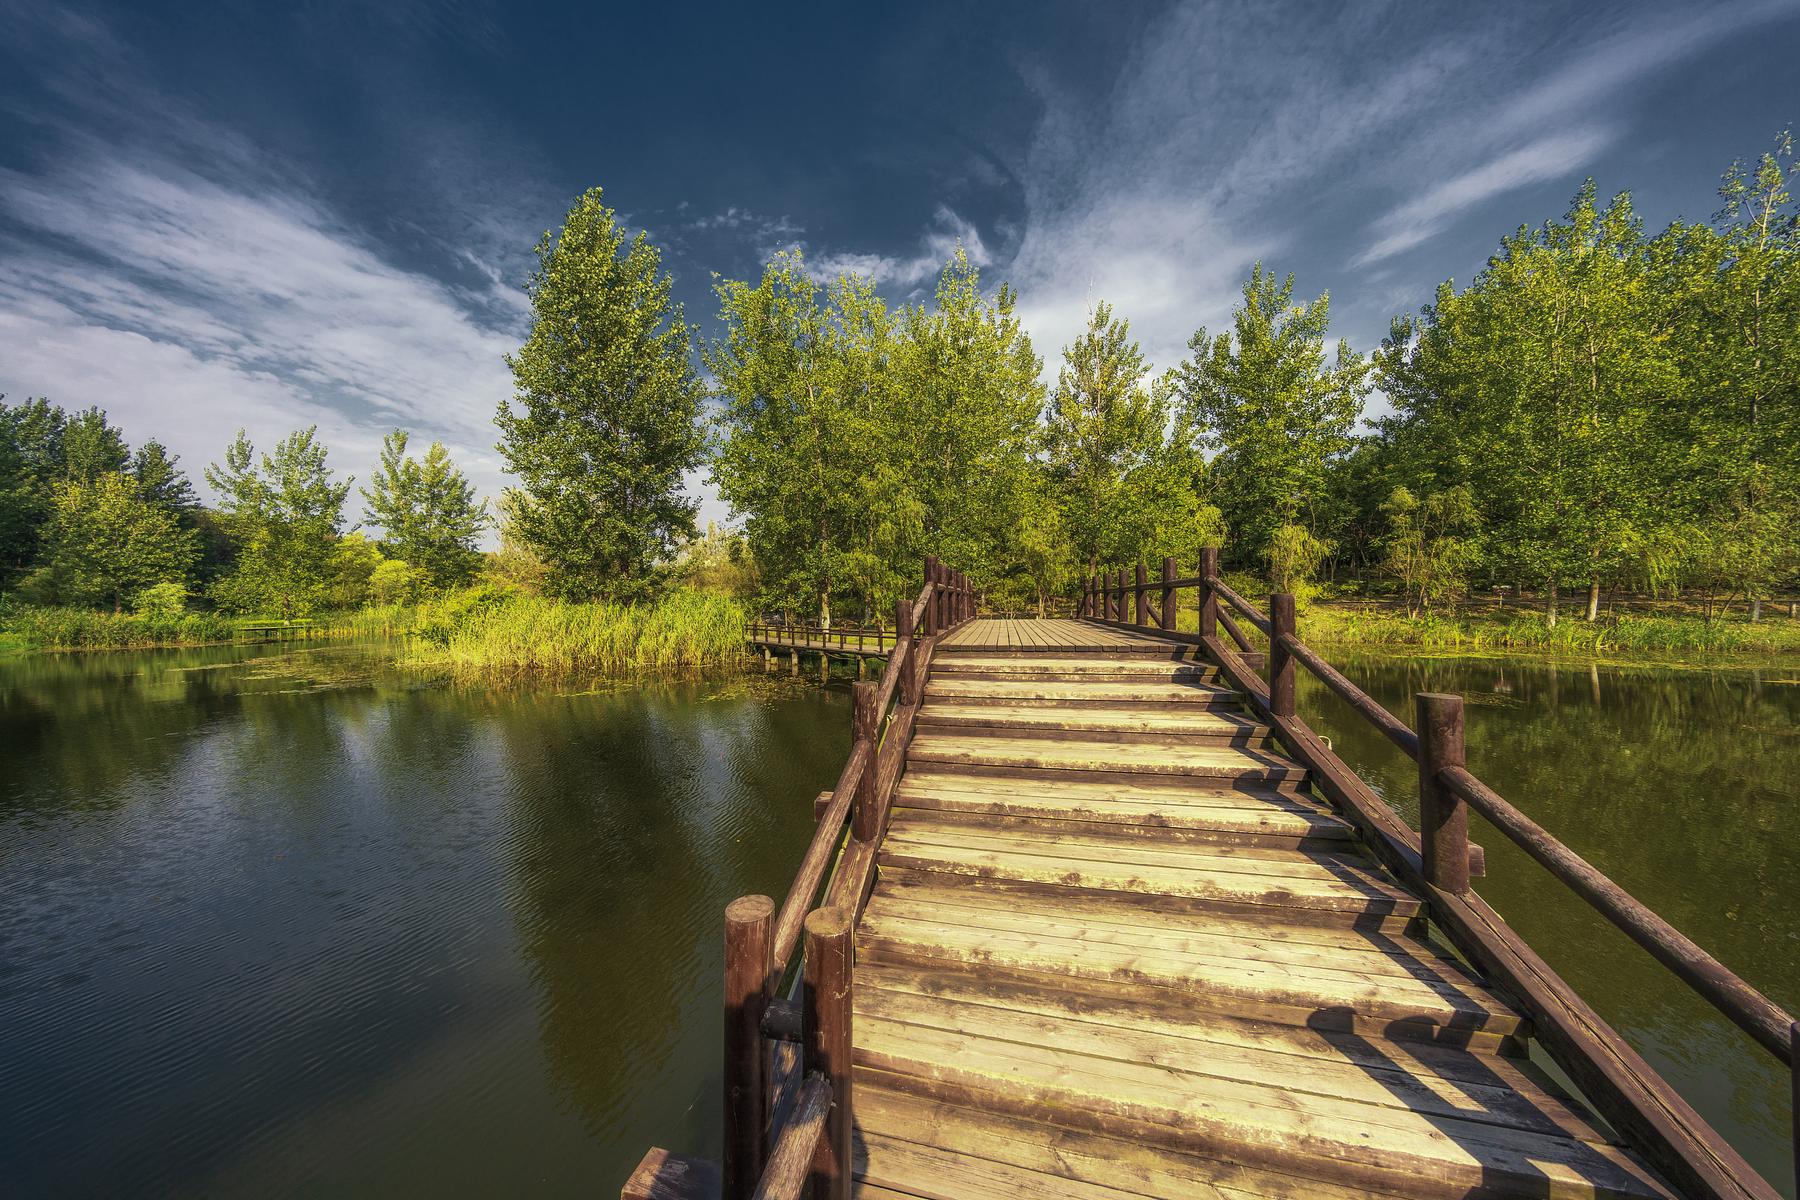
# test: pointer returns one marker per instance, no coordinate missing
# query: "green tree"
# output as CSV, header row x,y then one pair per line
x,y
1274,411
31,461
350,572
105,542
161,480
804,375
284,515
1428,547
1124,477
92,447
427,511
604,420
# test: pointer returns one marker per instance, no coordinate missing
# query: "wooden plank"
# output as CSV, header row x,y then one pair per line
x,y
1513,1102
662,1175
1145,758
1142,1169
1284,992
1259,1122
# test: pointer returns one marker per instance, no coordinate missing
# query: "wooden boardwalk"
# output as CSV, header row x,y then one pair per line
x,y
1115,948
1092,914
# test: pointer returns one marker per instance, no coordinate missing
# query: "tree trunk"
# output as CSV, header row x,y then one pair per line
x,y
1550,605
825,609
1593,613
1756,609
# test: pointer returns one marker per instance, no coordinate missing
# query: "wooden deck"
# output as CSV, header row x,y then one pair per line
x,y
1116,948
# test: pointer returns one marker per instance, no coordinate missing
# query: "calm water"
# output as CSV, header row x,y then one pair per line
x,y
282,924
288,923
1684,787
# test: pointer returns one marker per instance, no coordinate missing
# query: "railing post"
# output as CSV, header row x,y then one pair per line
x,y
1281,663
903,649
747,925
865,727
1443,817
1209,599
931,597
1168,594
1119,611
825,1034
1141,615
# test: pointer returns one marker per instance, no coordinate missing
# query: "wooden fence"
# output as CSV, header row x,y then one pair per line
x,y
1440,860
787,1049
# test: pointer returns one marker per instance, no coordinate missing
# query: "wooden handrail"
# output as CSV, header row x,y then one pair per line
x,y
790,1166
1748,1008
1626,1088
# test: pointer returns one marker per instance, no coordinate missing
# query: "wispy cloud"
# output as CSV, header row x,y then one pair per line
x,y
936,244
1416,220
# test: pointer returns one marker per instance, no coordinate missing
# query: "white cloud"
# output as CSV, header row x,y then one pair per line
x,y
1548,158
939,241
187,308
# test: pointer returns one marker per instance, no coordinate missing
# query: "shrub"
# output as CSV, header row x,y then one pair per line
x,y
398,582
161,602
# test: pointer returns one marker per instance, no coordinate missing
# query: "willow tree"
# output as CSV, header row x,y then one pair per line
x,y
605,417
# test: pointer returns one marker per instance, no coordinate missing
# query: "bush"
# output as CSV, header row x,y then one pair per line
x,y
398,582
161,602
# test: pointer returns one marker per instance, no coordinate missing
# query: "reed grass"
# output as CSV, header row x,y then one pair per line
x,y
482,634
80,628
1524,630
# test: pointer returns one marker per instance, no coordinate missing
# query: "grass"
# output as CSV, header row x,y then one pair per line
x,y
486,634
80,628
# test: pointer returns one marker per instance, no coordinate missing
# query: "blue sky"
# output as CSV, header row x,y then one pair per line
x,y
275,215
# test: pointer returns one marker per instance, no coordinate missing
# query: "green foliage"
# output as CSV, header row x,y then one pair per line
x,y
1427,548
396,582
1293,556
719,561
427,511
604,420
284,516
54,628
350,571
161,603
31,460
1277,417
859,439
92,447
105,542
1124,481
486,633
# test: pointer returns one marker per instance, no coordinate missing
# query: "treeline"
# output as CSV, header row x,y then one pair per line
x,y
85,521
1598,408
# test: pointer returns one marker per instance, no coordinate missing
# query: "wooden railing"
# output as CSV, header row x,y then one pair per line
x,y
787,1049
1439,862
814,637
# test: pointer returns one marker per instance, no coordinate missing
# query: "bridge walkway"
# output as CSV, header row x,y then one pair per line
x,y
1116,947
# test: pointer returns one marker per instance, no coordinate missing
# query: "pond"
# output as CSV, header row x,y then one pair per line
x,y
278,921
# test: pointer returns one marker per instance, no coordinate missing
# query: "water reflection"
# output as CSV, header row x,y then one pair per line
x,y
1681,786
291,922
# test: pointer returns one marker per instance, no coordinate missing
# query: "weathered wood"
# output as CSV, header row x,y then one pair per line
x,y
748,922
1209,598
817,859
661,1175
1281,664
827,1042
865,724
1748,1008
1390,726
1140,595
1166,610
1443,818
791,1163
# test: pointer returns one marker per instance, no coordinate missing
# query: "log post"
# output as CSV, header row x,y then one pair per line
x,y
1443,817
1168,594
903,648
748,921
1209,599
1281,663
865,729
931,597
793,662
825,1040
1102,582
1141,611
1119,613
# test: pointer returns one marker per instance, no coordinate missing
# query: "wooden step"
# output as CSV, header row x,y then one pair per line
x,y
1350,983
1076,1079
926,1148
1125,760
1122,724
1319,888
1078,667
1065,692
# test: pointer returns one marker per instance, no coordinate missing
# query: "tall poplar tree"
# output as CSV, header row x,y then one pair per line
x,y
1275,411
284,514
604,420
